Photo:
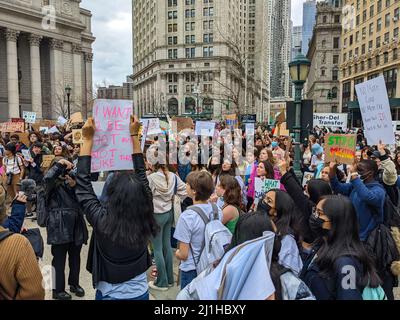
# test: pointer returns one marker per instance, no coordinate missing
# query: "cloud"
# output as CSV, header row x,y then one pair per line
x,y
112,27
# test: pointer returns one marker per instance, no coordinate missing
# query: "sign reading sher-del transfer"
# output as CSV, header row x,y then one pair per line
x,y
330,120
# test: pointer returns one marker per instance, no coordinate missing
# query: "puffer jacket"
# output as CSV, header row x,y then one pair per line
x,y
66,223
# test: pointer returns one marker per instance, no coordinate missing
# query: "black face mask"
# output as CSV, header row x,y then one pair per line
x,y
316,226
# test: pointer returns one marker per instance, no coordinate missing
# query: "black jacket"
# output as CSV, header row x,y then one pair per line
x,y
34,170
66,223
304,204
108,261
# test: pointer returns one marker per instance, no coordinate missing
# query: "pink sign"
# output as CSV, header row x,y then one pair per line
x,y
112,148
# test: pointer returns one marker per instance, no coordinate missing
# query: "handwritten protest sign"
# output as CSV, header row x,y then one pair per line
x,y
61,120
205,128
112,147
27,154
29,117
46,160
12,127
76,118
340,148
154,127
53,130
263,186
77,137
183,123
375,111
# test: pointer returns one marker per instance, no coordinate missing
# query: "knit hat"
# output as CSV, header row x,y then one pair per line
x,y
316,149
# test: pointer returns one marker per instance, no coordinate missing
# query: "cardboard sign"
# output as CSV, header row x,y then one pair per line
x,y
76,118
231,121
281,130
112,147
330,120
375,111
43,123
46,160
281,117
27,154
307,177
77,137
340,148
264,186
205,128
61,121
12,127
29,117
183,123
154,127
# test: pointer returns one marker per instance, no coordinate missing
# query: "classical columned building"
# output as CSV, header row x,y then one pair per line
x,y
43,51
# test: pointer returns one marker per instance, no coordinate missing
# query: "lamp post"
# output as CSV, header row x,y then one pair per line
x,y
299,69
68,92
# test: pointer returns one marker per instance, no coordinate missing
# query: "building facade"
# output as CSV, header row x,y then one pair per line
x,y
45,46
309,12
124,92
201,57
297,40
324,51
370,49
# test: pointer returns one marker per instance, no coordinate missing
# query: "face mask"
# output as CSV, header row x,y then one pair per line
x,y
274,144
363,176
316,226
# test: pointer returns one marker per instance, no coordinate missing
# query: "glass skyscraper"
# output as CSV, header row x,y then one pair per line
x,y
309,12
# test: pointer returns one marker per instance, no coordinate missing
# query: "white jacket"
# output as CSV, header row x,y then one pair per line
x,y
163,193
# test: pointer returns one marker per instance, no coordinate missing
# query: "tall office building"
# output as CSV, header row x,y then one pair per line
x,y
370,49
297,37
207,57
309,12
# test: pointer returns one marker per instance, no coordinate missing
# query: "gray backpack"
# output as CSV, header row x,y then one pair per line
x,y
216,238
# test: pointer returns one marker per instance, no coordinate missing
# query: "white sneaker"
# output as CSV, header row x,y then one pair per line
x,y
154,287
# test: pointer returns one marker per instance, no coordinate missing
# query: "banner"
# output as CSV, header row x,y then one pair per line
x,y
205,128
264,186
231,121
112,147
330,120
375,111
77,137
12,127
340,148
29,117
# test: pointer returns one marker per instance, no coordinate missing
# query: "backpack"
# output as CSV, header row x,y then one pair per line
x,y
216,238
391,212
35,238
41,210
293,288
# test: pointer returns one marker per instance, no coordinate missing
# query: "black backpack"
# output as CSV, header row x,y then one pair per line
x,y
391,212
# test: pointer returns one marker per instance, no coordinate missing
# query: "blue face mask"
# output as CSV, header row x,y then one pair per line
x,y
274,144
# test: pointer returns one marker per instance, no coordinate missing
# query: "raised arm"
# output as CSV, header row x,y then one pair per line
x,y
338,187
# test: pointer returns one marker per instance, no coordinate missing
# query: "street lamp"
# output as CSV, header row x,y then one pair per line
x,y
299,69
68,92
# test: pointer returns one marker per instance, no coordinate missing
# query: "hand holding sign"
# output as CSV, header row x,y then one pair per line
x,y
381,148
134,126
89,130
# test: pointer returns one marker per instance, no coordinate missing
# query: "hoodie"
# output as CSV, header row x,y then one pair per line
x,y
164,192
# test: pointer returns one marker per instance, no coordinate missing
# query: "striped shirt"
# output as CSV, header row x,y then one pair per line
x,y
13,165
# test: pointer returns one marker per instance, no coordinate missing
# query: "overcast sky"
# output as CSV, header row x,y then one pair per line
x,y
112,27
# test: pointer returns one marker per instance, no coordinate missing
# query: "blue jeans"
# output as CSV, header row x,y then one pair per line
x,y
187,277
99,296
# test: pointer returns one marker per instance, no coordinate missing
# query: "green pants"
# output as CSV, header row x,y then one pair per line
x,y
162,249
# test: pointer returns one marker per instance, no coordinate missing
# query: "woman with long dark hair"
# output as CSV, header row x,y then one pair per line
x,y
118,255
340,257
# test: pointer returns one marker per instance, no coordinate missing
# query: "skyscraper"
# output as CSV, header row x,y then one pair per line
x,y
309,12
297,35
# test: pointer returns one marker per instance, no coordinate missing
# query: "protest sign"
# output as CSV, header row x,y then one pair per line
x,y
61,121
12,127
205,128
144,129
231,121
340,148
307,177
43,129
76,118
154,127
46,160
263,186
112,147
281,117
27,154
183,123
29,117
330,120
43,123
53,130
77,137
375,111
250,129
248,118
281,130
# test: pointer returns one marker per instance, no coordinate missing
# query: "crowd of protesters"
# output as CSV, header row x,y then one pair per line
x,y
299,241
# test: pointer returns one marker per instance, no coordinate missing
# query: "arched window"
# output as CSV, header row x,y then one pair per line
x,y
173,107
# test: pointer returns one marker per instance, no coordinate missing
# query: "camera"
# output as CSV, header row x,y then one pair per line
x,y
28,187
9,178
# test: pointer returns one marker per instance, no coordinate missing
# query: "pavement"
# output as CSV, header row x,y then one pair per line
x,y
86,277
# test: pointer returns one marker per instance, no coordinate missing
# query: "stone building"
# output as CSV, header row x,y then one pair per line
x,y
324,53
45,46
124,92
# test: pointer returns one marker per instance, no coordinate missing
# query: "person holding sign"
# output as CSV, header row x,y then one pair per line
x,y
123,228
14,170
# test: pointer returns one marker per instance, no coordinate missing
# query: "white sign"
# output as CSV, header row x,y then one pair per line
x,y
250,129
145,129
30,117
375,111
330,120
44,129
61,120
53,130
205,128
112,144
263,186
27,154
154,127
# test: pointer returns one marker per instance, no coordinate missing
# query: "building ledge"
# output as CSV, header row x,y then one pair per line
x,y
354,105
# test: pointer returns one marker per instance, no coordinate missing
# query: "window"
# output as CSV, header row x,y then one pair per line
x,y
190,39
371,28
190,26
351,40
208,12
172,78
208,38
172,27
172,53
387,20
335,74
172,15
324,19
379,6
334,92
371,11
337,18
363,49
172,3
386,57
379,25
386,38
370,63
346,92
323,72
190,13
172,40
396,14
173,89
378,42
364,15
357,36
208,52
336,42
190,2
391,82
396,33
190,53
395,54
387,3
377,60
335,59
